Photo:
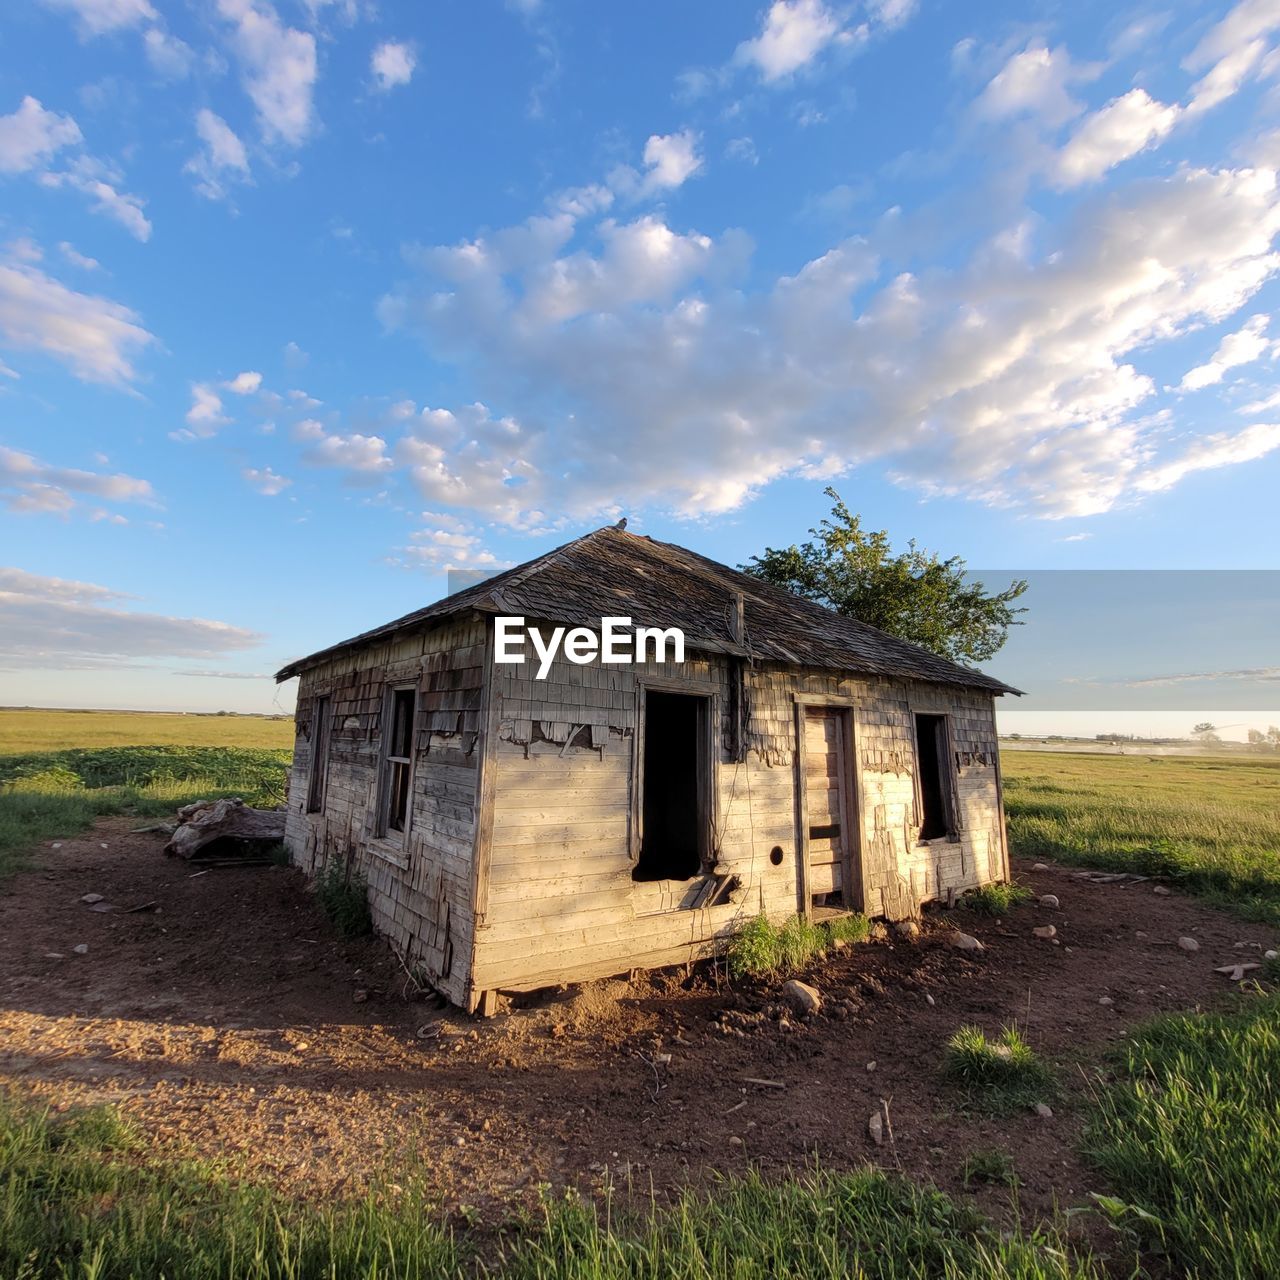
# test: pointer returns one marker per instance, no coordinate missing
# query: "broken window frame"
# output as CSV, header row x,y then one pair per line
x,y
397,770
948,777
318,776
708,695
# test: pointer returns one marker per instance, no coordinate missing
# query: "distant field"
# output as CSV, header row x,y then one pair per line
x,y
33,729
1212,823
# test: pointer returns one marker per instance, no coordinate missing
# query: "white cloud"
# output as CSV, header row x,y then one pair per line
x,y
392,64
97,17
32,486
671,159
246,383
1034,82
1231,52
1212,452
54,622
99,182
97,339
266,481
78,259
30,136
446,548
1014,379
169,56
222,158
1246,345
205,415
279,69
793,34
1121,129
352,453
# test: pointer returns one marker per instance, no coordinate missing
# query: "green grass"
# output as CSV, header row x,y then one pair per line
x,y
1211,824
761,949
1189,1139
57,794
344,896
38,729
996,1074
989,1166
78,1200
996,899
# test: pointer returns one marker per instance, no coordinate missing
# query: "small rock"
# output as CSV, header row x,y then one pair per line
x,y
1106,1001
662,1059
1040,866
1139,933
966,942
1188,944
57,844
459,1142
1049,900
907,929
929,999
875,1128
803,998
102,844
1045,931
871,1066
90,898
1043,1110
878,932
840,944
1161,890
359,997
1270,955
54,955
81,948
734,1140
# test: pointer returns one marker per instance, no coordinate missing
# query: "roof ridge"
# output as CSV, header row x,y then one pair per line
x,y
531,568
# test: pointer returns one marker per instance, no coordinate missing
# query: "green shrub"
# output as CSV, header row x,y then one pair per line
x,y
1000,1073
754,950
996,899
990,1166
760,949
344,895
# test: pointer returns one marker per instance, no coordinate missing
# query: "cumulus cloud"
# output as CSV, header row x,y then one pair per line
x,y
30,486
222,158
205,416
1014,379
1036,81
97,339
1231,52
793,34
97,17
1223,449
671,159
100,183
1246,345
266,481
392,64
361,454
168,56
31,136
1121,129
278,64
55,622
246,383
78,259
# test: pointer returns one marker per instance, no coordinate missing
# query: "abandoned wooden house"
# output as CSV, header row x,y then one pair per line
x,y
517,832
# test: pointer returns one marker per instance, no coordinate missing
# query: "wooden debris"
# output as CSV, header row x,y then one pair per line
x,y
1236,972
764,1084
210,821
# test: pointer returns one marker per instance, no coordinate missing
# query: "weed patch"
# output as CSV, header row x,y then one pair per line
x,y
996,899
344,896
992,1167
997,1074
761,949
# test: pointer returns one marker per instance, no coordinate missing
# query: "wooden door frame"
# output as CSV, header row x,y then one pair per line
x,y
852,860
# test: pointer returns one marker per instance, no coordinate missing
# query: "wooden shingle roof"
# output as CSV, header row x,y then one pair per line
x,y
658,584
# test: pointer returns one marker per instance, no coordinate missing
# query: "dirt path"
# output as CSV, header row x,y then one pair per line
x,y
229,1022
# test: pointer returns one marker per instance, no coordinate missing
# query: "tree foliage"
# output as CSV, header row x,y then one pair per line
x,y
912,594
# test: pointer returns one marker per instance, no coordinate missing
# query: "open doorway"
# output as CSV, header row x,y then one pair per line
x,y
932,757
673,827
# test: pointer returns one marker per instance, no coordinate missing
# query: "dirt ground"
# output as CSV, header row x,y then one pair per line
x,y
230,1022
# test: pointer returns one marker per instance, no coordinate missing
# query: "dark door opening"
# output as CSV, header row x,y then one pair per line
x,y
674,764
931,755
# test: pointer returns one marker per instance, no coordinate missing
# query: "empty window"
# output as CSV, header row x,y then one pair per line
x,y
319,755
672,820
934,777
399,761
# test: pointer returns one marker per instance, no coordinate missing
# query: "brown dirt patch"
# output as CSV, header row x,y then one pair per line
x,y
229,1022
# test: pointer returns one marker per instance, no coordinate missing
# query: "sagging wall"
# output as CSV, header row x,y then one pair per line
x,y
420,885
560,902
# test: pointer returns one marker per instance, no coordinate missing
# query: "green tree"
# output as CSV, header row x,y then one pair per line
x,y
912,594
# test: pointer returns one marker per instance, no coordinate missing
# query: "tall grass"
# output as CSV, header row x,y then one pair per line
x,y
1190,1136
43,729
1211,824
76,1200
762,949
999,1073
47,795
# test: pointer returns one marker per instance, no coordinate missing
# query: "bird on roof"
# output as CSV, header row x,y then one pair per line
x,y
622,524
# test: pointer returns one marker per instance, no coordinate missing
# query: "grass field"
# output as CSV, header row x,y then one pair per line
x,y
1211,824
24,729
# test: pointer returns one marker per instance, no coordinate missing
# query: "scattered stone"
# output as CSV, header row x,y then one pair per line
x,y
907,929
81,948
102,844
1049,900
878,932
1045,931
734,1140
54,955
871,1066
1043,1110
57,844
359,997
803,998
1188,944
90,898
1162,890
1270,955
875,1128
1106,1001
929,999
966,942
1040,866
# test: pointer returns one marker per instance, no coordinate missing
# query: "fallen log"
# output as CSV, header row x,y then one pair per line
x,y
217,820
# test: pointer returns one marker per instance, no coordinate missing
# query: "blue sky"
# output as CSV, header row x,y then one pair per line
x,y
302,304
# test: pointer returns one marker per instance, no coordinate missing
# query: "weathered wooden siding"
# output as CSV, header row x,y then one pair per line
x,y
560,903
421,886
